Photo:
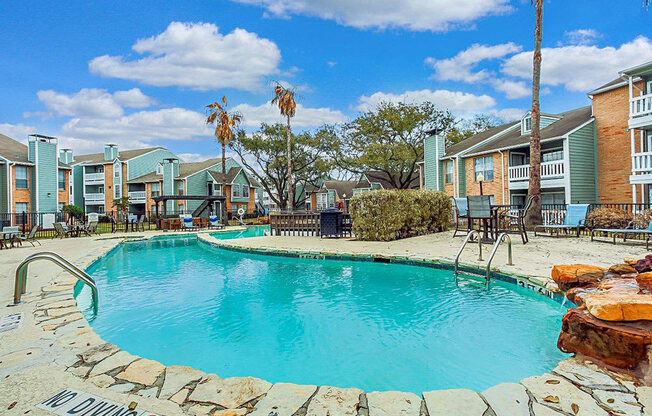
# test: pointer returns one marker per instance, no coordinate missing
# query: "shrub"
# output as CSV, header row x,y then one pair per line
x,y
73,211
609,218
386,215
642,219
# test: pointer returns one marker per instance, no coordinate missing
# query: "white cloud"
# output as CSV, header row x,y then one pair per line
x,y
416,15
582,36
196,56
133,98
196,157
508,114
461,66
92,102
17,131
581,68
305,116
511,89
456,101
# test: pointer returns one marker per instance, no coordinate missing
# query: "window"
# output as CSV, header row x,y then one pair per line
x,y
235,190
61,204
552,156
159,169
553,198
217,189
180,188
527,124
245,191
331,198
21,177
519,159
484,166
62,180
449,171
649,87
322,201
116,170
519,200
22,207
100,209
155,189
117,192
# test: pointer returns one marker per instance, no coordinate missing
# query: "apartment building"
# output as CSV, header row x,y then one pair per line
x,y
499,158
32,177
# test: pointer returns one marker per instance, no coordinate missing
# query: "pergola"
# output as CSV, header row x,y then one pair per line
x,y
208,199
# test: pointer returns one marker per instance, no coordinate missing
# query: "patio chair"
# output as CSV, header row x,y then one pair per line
x,y
479,208
214,222
90,228
629,230
141,223
187,222
31,237
517,218
461,213
61,230
575,219
10,236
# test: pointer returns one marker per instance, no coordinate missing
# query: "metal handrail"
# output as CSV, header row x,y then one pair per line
x,y
20,284
499,240
466,240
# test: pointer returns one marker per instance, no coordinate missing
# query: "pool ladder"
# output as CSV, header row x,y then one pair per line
x,y
502,237
20,284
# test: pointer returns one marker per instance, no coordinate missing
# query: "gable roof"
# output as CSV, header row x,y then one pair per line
x,y
477,139
123,155
569,121
188,169
374,176
230,175
13,150
148,177
340,187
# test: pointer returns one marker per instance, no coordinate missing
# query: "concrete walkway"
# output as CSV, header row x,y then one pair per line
x,y
56,349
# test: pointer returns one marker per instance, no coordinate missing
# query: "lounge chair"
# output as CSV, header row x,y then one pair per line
x,y
461,213
187,222
61,230
575,219
90,228
214,222
516,218
630,230
31,237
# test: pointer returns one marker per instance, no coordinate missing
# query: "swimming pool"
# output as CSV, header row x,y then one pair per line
x,y
326,322
251,231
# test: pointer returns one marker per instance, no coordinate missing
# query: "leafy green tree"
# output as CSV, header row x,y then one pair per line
x,y
73,211
122,205
389,139
464,129
264,154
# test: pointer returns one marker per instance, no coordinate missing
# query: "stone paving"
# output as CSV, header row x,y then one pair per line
x,y
56,349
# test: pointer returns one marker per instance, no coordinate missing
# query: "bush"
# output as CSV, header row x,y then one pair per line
x,y
642,219
386,215
609,218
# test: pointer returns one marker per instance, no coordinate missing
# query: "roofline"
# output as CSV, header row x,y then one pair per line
x,y
647,65
495,136
513,146
624,83
201,170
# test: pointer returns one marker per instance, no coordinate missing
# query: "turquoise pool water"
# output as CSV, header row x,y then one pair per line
x,y
251,231
369,325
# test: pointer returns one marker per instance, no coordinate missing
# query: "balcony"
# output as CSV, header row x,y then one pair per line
x,y
552,175
640,111
137,197
94,178
94,199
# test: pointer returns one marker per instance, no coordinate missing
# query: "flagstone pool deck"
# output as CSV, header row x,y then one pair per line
x,y
56,349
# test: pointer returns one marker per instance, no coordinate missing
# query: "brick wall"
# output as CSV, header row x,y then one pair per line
x,y
108,187
64,195
493,187
611,110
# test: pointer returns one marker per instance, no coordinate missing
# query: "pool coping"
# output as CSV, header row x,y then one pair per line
x,y
83,346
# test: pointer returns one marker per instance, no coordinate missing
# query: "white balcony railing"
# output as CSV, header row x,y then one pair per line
x,y
94,199
549,170
91,178
641,106
137,196
642,162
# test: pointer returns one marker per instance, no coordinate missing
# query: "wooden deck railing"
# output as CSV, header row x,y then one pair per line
x,y
302,224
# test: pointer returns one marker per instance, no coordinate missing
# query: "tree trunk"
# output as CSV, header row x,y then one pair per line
x,y
290,202
534,191
223,190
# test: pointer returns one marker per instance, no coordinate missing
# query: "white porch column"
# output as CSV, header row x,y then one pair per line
x,y
634,194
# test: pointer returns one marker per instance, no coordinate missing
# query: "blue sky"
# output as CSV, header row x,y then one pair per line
x,y
139,73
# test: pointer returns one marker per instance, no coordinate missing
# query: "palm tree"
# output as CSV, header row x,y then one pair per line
x,y
225,123
534,190
284,99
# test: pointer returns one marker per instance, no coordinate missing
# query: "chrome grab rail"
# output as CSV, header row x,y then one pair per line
x,y
20,284
466,240
499,240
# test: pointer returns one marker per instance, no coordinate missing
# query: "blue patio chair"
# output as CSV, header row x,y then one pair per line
x,y
575,219
214,221
629,231
187,222
461,213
